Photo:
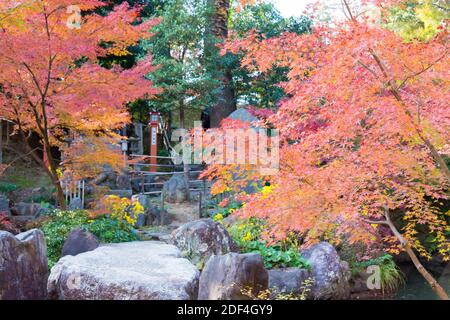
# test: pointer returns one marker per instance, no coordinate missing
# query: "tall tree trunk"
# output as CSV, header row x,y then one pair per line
x,y
49,166
186,167
435,286
226,100
1,141
52,171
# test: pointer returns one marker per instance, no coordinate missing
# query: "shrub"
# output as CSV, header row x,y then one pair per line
x,y
226,207
110,230
124,210
391,275
60,223
6,224
273,294
7,187
247,236
56,229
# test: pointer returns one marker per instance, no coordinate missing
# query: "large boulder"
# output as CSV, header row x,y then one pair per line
x,y
153,216
23,266
288,281
157,217
233,277
199,240
176,189
79,241
144,270
331,275
123,182
23,209
76,204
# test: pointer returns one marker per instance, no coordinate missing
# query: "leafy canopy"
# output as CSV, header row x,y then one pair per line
x,y
365,129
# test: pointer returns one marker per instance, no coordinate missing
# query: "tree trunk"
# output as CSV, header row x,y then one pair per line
x,y
53,174
48,166
186,167
226,100
437,288
1,141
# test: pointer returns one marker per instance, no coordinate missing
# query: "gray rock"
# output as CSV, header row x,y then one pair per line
x,y
156,217
107,179
152,215
141,220
242,114
233,277
199,240
288,280
120,193
176,190
144,270
27,209
331,275
76,204
123,182
136,183
23,266
4,205
79,241
142,199
358,283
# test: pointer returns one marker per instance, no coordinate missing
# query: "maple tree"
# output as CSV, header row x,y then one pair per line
x,y
365,133
52,85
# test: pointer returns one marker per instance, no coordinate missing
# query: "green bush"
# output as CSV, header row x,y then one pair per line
x,y
6,187
60,223
247,236
220,213
391,275
112,231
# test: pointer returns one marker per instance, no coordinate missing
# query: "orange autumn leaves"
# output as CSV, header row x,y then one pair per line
x,y
351,146
52,84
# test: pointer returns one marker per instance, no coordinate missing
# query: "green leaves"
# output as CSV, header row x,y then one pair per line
x,y
61,223
247,236
419,19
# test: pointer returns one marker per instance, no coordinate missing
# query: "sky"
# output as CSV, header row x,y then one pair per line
x,y
290,8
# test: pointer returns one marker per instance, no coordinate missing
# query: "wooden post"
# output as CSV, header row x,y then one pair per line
x,y
161,222
204,187
140,134
200,209
154,122
7,132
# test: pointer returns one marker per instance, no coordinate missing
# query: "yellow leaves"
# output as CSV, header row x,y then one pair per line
x,y
365,211
123,209
13,13
267,191
422,23
247,237
431,18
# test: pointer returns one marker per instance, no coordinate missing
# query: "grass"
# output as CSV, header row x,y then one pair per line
x,y
26,177
392,277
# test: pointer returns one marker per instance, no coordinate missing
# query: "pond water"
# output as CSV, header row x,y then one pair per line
x,y
417,288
